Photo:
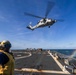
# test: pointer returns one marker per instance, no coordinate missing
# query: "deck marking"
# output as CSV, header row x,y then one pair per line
x,y
59,64
43,71
40,71
23,56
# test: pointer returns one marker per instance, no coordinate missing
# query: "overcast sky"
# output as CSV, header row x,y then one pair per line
x,y
13,24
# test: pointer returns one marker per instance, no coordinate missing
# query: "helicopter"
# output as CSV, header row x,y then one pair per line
x,y
44,20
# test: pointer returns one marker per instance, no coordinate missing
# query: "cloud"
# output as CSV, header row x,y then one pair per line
x,y
41,43
3,37
3,18
37,39
23,33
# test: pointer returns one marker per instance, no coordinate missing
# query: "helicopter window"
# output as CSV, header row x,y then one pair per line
x,y
41,21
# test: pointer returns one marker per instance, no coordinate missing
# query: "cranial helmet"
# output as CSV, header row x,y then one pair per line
x,y
6,44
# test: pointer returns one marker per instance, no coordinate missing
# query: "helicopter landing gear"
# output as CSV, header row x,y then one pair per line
x,y
49,26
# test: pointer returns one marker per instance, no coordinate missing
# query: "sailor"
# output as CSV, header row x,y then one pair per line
x,y
6,59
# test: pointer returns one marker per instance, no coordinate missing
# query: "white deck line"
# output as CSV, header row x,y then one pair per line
x,y
40,71
59,64
23,56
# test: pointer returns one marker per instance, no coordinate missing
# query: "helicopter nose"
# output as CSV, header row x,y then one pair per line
x,y
55,20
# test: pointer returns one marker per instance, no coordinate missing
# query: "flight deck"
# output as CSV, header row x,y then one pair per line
x,y
38,63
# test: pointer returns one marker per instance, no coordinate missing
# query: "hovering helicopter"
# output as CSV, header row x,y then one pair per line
x,y
44,20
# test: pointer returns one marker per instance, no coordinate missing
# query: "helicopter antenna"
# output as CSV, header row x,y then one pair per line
x,y
50,5
60,20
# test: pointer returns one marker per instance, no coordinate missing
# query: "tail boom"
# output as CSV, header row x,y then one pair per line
x,y
30,27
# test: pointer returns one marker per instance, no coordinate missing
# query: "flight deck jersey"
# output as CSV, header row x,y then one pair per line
x,y
8,68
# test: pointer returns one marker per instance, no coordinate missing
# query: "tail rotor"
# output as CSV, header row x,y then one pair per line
x,y
29,26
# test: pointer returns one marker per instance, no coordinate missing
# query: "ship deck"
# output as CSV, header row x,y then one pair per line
x,y
38,63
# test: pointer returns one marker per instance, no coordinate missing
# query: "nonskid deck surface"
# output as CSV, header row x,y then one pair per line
x,y
38,63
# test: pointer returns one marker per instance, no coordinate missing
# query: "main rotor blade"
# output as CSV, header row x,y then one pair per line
x,y
32,15
59,20
50,5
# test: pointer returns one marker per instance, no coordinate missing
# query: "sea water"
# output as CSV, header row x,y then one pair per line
x,y
70,52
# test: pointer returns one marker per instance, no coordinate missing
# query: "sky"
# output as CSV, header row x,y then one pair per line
x,y
13,23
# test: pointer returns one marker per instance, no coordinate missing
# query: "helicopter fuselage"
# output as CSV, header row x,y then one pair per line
x,y
42,23
45,22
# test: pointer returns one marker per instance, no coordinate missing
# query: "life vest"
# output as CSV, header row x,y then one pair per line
x,y
8,68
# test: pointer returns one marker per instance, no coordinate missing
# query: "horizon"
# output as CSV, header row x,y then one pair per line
x,y
42,48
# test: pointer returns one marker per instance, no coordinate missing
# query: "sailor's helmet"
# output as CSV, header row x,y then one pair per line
x,y
5,44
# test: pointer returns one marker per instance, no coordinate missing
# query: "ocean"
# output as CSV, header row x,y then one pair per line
x,y
65,51
69,52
